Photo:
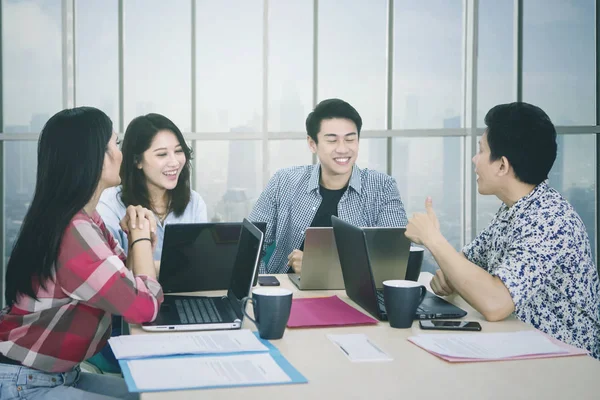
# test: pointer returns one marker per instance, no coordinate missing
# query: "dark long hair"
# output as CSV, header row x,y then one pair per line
x,y
138,138
71,153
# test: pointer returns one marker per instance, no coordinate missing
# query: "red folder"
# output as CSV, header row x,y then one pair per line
x,y
325,311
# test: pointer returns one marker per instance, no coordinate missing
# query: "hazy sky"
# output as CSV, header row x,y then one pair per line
x,y
558,61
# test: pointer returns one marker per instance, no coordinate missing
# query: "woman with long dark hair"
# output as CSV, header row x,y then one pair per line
x,y
156,175
67,275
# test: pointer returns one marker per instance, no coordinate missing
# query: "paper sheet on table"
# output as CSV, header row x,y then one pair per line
x,y
215,342
173,373
358,347
491,346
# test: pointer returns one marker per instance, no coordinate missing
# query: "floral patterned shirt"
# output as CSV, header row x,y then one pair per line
x,y
540,249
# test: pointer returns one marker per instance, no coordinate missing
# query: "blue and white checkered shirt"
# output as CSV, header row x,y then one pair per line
x,y
291,199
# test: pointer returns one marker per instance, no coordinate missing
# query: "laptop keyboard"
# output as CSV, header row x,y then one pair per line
x,y
197,310
380,297
380,301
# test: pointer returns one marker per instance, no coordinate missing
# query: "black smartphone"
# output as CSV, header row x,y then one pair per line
x,y
450,325
268,281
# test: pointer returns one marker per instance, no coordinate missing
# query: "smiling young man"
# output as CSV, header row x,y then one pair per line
x,y
307,196
534,259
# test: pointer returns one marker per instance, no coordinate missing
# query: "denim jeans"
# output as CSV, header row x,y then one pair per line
x,y
17,382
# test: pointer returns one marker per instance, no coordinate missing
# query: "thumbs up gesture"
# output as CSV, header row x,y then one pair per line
x,y
422,227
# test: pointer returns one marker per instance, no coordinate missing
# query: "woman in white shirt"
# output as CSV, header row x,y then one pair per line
x,y
155,174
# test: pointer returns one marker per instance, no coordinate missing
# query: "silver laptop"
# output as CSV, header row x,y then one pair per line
x,y
388,246
186,313
320,262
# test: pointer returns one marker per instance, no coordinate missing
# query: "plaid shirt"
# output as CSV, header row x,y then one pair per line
x,y
291,199
71,320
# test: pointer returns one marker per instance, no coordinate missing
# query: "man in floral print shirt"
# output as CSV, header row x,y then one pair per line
x,y
534,259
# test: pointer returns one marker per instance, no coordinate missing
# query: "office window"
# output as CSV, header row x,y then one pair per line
x,y
157,60
290,65
495,56
287,153
32,93
574,176
559,59
32,65
352,66
432,167
229,99
228,177
495,79
96,55
229,69
428,57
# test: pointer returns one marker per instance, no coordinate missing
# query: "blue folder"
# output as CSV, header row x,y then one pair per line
x,y
282,362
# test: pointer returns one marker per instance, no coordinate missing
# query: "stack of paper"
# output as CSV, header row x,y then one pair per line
x,y
175,361
153,345
325,311
494,346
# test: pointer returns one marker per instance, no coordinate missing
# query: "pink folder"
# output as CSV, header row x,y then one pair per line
x,y
567,350
325,311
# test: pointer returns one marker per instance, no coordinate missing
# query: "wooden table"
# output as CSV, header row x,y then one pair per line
x,y
413,373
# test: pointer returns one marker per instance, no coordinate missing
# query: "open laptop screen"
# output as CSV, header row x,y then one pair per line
x,y
245,264
199,256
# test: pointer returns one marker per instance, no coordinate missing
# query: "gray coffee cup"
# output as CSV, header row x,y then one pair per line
x,y
401,300
271,310
415,261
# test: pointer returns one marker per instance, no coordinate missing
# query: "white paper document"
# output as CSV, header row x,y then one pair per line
x,y
487,345
196,372
359,348
150,345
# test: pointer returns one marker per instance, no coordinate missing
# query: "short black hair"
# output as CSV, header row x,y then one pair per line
x,y
525,135
329,109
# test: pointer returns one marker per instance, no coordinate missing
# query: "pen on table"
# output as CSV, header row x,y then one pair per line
x,y
344,350
376,348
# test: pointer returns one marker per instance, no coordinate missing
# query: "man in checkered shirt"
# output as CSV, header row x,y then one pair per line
x,y
307,196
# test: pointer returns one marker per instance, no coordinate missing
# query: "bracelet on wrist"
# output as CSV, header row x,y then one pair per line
x,y
139,240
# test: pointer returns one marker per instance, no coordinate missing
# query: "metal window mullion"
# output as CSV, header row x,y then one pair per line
x,y
471,31
265,95
2,205
120,46
297,135
390,84
193,104
597,208
518,49
315,93
74,49
68,53
474,131
63,48
466,189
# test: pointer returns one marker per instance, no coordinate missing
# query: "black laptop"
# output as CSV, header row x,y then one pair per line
x,y
360,285
199,256
217,312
